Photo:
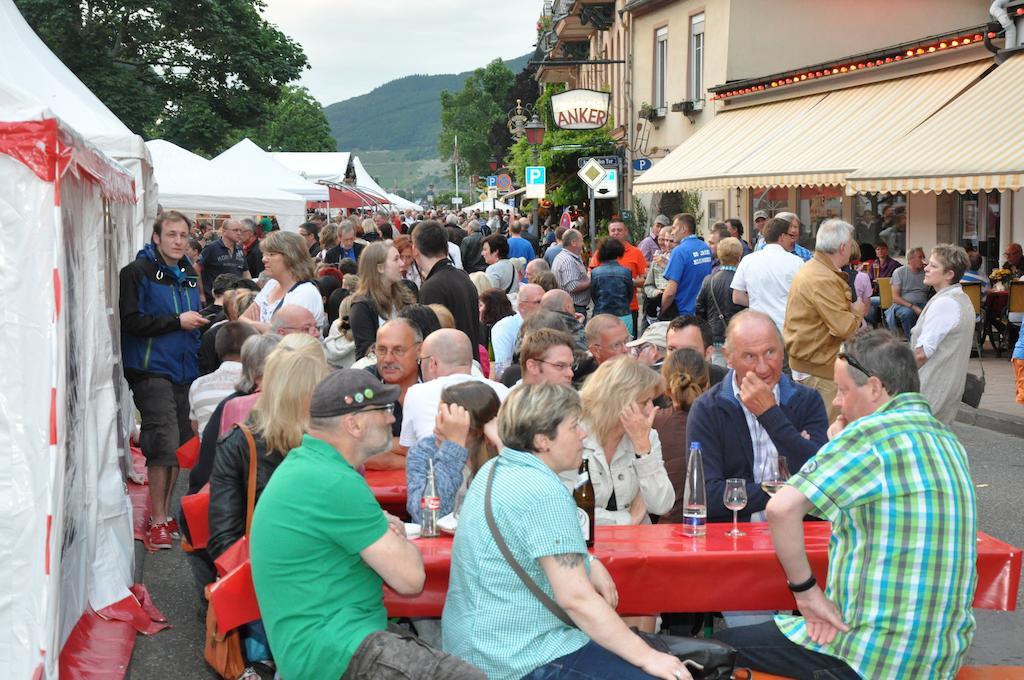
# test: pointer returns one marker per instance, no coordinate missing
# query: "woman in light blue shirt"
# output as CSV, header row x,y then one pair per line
x,y
491,618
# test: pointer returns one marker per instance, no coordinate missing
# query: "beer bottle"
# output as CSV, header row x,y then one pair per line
x,y
584,497
430,505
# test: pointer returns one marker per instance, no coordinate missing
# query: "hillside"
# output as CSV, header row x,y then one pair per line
x,y
403,115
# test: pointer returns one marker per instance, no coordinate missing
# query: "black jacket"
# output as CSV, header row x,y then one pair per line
x,y
229,486
254,260
452,288
335,254
364,319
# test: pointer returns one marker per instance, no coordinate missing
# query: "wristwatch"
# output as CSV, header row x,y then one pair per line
x,y
803,587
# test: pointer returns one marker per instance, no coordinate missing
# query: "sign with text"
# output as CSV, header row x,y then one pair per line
x,y
580,109
605,161
536,178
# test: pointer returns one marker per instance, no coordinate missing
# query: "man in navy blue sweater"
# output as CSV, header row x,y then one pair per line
x,y
754,414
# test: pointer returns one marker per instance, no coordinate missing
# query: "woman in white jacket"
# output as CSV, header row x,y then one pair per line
x,y
622,447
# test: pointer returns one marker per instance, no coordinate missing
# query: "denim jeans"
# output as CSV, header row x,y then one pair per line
x,y
764,648
591,661
396,654
906,318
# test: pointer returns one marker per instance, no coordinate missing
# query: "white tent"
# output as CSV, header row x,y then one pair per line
x,y
488,205
192,184
28,63
245,159
365,181
331,166
66,225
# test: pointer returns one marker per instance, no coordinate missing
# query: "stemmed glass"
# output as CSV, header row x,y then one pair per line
x,y
735,498
774,474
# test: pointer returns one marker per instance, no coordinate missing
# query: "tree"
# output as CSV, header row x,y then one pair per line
x,y
470,115
190,72
296,123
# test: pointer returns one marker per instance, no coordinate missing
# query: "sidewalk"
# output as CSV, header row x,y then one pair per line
x,y
998,410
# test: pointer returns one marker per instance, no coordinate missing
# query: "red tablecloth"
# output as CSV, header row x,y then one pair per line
x,y
388,488
657,570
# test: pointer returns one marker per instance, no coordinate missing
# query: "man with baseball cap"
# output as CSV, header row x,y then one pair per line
x,y
649,246
652,346
760,219
322,547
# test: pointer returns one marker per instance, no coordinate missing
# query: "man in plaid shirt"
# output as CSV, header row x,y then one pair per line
x,y
895,484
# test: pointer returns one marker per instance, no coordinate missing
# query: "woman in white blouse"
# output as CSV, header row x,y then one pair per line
x,y
622,447
287,262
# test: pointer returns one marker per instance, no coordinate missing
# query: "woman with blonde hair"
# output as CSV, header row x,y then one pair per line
x,y
623,449
277,423
328,239
686,376
370,233
290,271
380,294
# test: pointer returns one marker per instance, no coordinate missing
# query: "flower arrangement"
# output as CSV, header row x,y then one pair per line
x,y
999,275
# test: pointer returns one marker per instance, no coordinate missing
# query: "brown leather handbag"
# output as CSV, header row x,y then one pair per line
x,y
224,651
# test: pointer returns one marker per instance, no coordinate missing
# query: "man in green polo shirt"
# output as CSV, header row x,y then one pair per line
x,y
322,548
895,484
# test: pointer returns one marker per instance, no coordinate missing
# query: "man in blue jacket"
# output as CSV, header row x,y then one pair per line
x,y
159,303
754,414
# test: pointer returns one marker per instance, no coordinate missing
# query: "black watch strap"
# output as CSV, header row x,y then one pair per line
x,y
803,587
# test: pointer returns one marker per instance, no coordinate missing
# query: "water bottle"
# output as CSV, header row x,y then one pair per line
x,y
695,500
430,505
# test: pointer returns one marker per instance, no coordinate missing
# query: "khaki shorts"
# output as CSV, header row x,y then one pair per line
x,y
828,391
1018,371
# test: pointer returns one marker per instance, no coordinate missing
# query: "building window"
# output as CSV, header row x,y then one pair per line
x,y
881,217
977,225
772,200
814,206
660,67
697,59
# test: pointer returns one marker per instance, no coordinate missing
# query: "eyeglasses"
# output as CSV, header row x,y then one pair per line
x,y
397,352
856,364
420,360
558,365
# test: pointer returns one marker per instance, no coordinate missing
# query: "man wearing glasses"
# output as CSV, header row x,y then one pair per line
x,y
606,339
397,351
445,358
547,357
895,484
322,547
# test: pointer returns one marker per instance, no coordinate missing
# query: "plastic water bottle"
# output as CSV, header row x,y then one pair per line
x,y
430,505
695,500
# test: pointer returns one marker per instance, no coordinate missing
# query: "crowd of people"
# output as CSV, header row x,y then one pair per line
x,y
467,349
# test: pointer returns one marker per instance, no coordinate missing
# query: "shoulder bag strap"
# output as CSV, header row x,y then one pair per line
x,y
714,298
250,500
545,600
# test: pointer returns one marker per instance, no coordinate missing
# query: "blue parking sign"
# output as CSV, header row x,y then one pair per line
x,y
536,174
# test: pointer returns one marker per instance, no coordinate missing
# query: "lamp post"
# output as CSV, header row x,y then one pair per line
x,y
535,137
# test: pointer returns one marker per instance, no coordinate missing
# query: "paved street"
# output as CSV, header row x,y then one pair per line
x,y
997,464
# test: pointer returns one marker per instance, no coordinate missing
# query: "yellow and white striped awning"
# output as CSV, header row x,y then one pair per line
x,y
814,140
976,143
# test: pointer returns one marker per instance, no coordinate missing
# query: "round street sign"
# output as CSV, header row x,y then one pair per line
x,y
504,182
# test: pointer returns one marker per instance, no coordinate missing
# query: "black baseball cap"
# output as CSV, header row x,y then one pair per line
x,y
350,390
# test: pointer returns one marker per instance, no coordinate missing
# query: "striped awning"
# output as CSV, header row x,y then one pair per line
x,y
814,140
976,143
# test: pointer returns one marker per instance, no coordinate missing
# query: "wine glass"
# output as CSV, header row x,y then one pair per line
x,y
735,498
774,474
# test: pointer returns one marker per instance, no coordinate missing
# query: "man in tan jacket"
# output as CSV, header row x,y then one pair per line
x,y
819,314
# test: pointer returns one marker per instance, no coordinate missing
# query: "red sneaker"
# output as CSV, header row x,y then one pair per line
x,y
159,537
172,528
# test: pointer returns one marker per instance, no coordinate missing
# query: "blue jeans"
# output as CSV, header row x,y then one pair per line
x,y
906,318
764,648
589,661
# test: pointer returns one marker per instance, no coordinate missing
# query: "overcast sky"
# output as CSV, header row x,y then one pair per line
x,y
355,45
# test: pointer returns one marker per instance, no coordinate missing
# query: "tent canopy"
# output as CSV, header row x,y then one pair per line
x,y
246,159
365,181
315,165
191,183
488,204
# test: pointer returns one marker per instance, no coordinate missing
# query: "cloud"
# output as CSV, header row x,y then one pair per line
x,y
355,46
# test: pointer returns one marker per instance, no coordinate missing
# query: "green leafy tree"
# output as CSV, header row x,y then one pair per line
x,y
190,72
296,123
470,115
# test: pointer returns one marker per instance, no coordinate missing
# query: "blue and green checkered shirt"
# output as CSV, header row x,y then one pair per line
x,y
896,486
490,618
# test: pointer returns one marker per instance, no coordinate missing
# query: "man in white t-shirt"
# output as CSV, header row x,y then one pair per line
x,y
209,390
763,277
446,358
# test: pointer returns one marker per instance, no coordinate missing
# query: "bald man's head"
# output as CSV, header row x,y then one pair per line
x,y
530,295
294,319
557,300
446,352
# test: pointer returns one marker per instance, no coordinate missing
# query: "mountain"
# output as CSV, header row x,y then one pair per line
x,y
403,115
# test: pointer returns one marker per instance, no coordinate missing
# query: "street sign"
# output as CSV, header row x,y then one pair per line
x,y
536,177
504,182
456,200
605,161
492,192
492,181
592,173
608,187
642,164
